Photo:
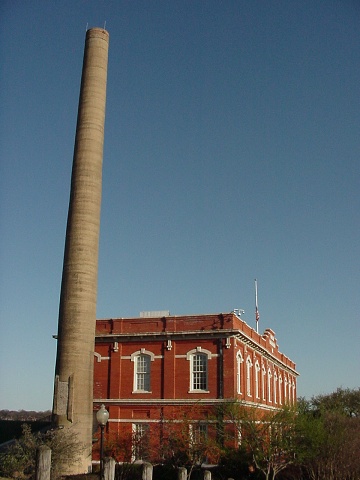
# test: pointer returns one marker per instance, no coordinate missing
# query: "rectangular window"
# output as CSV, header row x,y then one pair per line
x,y
199,432
143,373
198,440
199,373
140,441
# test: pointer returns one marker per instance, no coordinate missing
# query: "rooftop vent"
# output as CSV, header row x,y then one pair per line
x,y
155,313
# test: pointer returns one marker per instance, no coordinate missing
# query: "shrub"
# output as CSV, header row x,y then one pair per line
x,y
19,460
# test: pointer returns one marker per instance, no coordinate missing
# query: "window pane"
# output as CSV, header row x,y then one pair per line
x,y
199,372
143,373
198,439
140,441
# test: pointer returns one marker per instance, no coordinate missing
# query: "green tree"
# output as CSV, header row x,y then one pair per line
x,y
328,436
268,437
346,402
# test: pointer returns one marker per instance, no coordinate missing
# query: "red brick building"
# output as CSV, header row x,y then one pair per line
x,y
148,366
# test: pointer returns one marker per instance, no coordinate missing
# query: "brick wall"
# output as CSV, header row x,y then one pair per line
x,y
237,355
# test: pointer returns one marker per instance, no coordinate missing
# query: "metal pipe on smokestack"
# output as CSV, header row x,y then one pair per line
x,y
73,390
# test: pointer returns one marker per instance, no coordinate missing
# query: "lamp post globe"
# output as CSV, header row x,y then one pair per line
x,y
102,417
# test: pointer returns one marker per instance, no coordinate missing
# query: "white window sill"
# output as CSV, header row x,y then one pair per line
x,y
198,391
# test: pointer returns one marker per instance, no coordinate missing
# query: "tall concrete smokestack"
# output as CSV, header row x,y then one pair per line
x,y
73,392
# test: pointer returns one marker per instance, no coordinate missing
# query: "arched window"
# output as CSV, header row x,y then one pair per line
x,y
263,375
198,369
257,370
239,360
280,389
142,370
293,392
269,385
290,385
275,386
285,388
142,373
248,376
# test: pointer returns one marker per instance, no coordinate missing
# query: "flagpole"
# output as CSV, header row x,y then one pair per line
x,y
257,316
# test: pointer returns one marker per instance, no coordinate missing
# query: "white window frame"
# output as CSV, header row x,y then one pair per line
x,y
248,376
290,396
191,357
257,370
275,386
239,361
280,389
135,357
198,432
263,375
293,392
139,430
269,385
239,434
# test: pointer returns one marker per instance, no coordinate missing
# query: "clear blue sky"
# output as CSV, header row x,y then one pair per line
x,y
231,153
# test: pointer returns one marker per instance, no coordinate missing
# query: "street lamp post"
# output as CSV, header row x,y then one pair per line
x,y
102,416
